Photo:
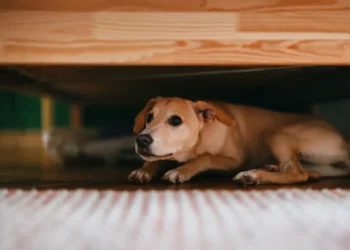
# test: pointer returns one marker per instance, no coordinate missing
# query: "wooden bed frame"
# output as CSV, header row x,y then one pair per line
x,y
182,32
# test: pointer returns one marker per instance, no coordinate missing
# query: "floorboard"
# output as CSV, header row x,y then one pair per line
x,y
29,169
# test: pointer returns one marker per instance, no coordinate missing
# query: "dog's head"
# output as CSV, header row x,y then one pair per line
x,y
167,126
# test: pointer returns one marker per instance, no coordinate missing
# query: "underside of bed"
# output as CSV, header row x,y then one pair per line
x,y
274,87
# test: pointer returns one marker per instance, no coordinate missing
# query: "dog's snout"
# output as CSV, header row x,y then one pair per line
x,y
143,141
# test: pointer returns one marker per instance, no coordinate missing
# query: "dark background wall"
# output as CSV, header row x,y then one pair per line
x,y
338,113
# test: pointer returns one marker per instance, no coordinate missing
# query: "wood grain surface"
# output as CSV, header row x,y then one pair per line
x,y
30,168
165,32
20,140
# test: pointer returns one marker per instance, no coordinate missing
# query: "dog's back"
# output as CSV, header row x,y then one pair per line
x,y
255,125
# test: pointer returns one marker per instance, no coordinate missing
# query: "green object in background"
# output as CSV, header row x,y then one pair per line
x,y
19,111
22,112
61,111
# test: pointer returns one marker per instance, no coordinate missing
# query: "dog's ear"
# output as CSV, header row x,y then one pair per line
x,y
141,117
209,112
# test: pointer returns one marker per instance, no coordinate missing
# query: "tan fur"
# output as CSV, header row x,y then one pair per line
x,y
221,136
140,118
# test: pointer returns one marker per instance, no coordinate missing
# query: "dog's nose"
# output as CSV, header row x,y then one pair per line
x,y
143,141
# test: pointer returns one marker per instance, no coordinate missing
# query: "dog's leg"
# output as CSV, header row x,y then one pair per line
x,y
257,176
198,165
276,168
317,145
150,170
284,148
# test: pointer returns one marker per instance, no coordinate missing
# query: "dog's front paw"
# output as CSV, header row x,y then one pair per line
x,y
140,176
247,178
175,176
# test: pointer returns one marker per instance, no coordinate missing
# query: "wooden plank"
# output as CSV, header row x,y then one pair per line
x,y
176,6
293,21
176,32
21,139
75,116
47,115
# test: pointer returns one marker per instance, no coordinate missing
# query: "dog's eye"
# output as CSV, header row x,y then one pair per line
x,y
175,120
149,118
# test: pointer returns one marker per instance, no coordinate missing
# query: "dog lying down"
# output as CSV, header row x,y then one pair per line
x,y
265,147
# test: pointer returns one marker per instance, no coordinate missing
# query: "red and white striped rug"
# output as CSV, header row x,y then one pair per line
x,y
166,220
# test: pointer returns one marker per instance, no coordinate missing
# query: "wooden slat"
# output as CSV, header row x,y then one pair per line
x,y
175,32
75,116
21,139
171,5
47,114
294,21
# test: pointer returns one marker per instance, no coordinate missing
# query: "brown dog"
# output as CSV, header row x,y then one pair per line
x,y
219,136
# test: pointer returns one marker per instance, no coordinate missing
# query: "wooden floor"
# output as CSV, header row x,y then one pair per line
x,y
31,169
